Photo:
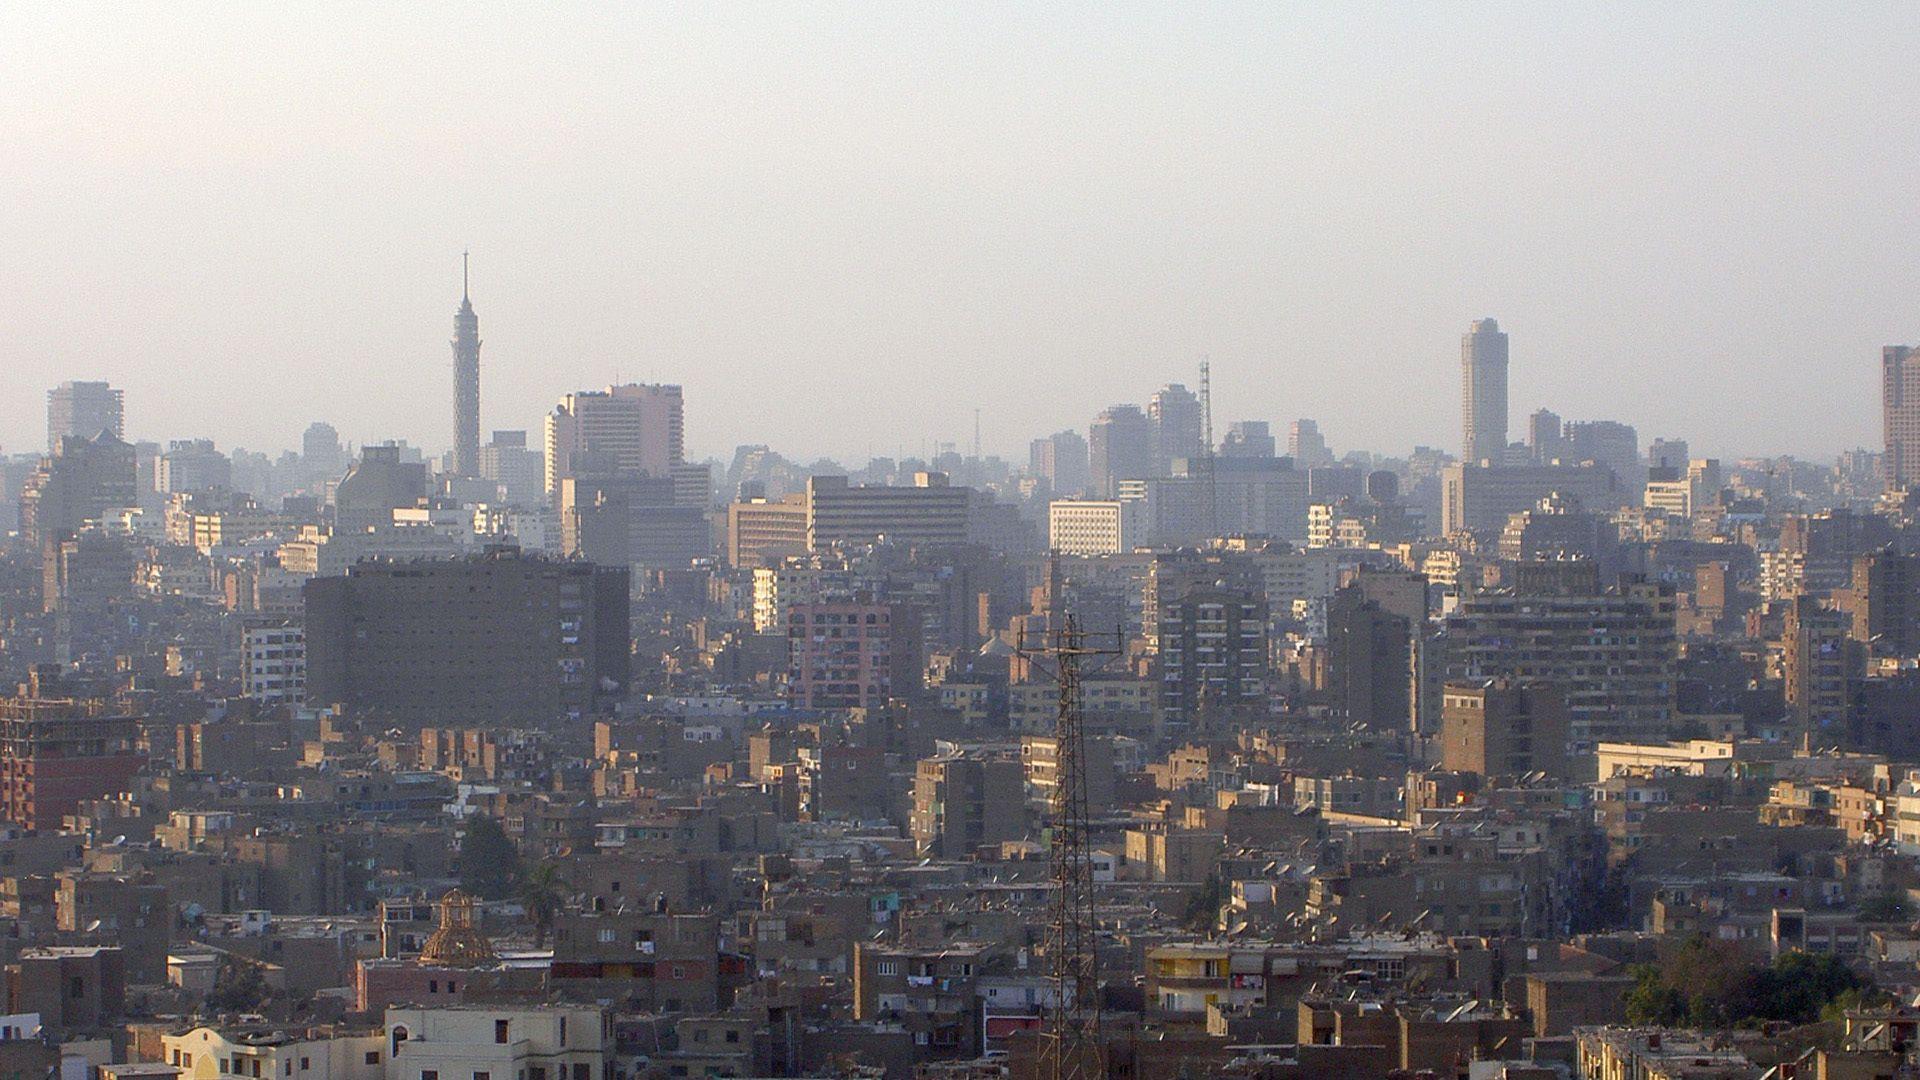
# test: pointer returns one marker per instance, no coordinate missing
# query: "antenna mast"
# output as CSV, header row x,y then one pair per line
x,y
1070,1042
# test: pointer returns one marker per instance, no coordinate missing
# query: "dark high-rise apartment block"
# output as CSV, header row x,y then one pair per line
x,y
503,637
84,409
1481,499
932,511
620,520
520,472
1543,436
1669,454
1248,439
1900,414
634,428
1372,623
1884,603
1504,727
377,485
1483,367
962,802
1119,447
1174,412
83,480
1611,651
1060,459
466,383
1609,443
1307,447
191,465
57,752
1822,663
320,450
1207,617
855,654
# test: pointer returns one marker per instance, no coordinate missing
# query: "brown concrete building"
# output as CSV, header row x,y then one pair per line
x,y
498,637
56,753
1501,727
961,803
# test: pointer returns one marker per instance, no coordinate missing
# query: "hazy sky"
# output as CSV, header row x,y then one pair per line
x,y
842,228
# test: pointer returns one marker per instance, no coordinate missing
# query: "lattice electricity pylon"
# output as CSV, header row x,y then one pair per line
x,y
1070,1044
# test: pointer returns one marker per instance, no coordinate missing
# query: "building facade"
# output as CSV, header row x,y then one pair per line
x,y
502,636
1483,369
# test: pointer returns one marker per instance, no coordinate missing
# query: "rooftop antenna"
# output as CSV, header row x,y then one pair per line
x,y
463,275
976,433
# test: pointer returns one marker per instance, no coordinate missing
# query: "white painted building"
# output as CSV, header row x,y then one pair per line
x,y
549,1042
211,1053
275,672
1091,526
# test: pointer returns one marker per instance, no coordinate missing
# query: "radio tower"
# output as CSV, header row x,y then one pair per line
x,y
1070,1044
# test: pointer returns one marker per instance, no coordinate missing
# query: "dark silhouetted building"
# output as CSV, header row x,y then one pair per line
x,y
500,637
84,409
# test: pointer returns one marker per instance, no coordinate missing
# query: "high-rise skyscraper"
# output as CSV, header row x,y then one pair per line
x,y
1119,447
1900,407
1174,413
1483,367
629,430
320,450
1544,441
1061,459
1307,447
1248,439
466,383
84,409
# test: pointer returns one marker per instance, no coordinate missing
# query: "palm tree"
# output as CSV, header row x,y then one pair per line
x,y
543,893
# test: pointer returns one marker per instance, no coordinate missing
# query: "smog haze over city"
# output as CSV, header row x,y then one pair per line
x,y
899,213
959,541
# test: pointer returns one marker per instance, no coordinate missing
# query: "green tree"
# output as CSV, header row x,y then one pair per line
x,y
543,892
1651,1001
1887,907
1712,984
1203,905
239,987
489,863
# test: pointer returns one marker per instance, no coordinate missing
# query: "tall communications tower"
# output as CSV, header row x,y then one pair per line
x,y
466,383
1070,1044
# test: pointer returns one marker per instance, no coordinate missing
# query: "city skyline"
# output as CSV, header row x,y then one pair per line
x,y
1651,223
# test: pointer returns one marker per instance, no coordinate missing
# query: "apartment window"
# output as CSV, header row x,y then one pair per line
x,y
582,1072
483,1076
888,967
373,1057
307,1063
429,1074
500,1031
